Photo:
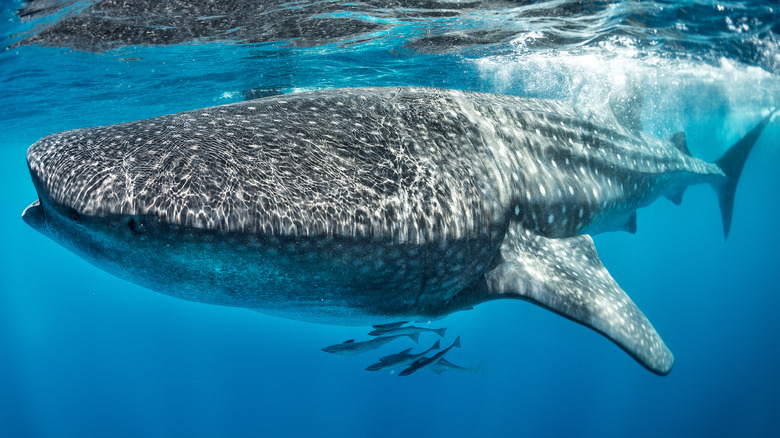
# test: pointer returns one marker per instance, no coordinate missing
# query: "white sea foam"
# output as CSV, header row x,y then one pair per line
x,y
676,95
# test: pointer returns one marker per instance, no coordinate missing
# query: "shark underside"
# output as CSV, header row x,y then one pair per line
x,y
368,205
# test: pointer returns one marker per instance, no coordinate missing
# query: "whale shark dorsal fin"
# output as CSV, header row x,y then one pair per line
x,y
679,141
567,277
626,106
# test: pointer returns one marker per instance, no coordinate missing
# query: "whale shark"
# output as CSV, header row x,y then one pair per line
x,y
372,205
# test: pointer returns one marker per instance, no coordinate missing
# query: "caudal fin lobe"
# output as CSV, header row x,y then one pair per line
x,y
732,163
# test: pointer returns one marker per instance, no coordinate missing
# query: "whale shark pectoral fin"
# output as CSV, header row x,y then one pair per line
x,y
567,277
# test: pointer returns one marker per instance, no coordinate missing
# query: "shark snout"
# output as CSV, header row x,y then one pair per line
x,y
34,216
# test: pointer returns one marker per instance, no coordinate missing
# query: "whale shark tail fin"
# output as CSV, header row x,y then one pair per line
x,y
731,163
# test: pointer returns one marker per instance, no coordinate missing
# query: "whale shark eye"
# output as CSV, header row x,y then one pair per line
x,y
136,225
74,215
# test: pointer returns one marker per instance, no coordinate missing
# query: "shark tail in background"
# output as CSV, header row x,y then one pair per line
x,y
731,163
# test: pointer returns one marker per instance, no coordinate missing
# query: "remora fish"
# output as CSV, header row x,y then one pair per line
x,y
360,205
389,325
424,362
444,365
406,330
351,347
402,358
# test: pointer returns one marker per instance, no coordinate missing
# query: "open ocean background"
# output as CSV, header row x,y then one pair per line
x,y
83,353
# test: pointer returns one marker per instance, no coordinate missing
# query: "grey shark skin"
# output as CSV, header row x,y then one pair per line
x,y
370,205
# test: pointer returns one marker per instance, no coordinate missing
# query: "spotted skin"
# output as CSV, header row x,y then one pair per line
x,y
406,164
566,275
361,205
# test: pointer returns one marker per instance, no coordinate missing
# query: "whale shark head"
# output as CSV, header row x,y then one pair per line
x,y
75,208
199,206
76,202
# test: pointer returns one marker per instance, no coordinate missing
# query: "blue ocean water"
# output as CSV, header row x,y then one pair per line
x,y
83,353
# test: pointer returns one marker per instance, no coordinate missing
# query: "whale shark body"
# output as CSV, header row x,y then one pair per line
x,y
366,205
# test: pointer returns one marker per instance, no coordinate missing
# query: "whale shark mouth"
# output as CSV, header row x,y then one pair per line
x,y
34,215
